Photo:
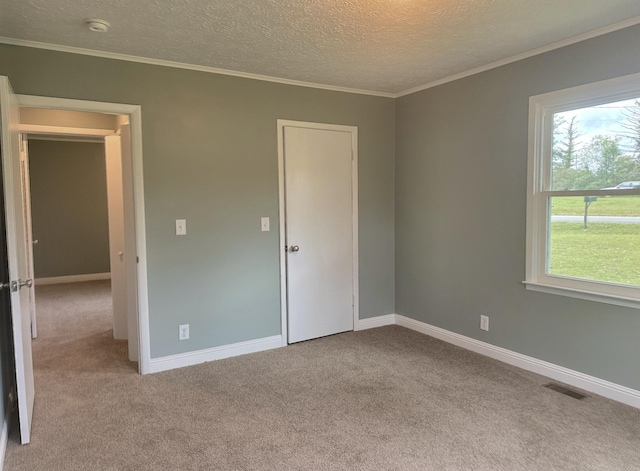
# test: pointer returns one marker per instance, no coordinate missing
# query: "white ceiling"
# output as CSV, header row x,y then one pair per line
x,y
386,46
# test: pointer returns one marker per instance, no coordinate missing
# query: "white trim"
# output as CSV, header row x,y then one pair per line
x,y
525,55
69,104
51,137
373,322
281,124
182,65
539,173
582,294
66,131
57,280
181,360
4,439
135,119
354,224
144,343
559,373
282,236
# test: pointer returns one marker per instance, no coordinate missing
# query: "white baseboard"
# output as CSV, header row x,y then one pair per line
x,y
217,353
56,280
4,439
373,322
559,373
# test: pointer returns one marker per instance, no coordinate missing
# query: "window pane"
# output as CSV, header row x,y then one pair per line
x,y
606,249
597,147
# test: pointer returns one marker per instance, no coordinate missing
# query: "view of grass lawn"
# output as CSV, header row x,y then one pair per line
x,y
604,206
604,252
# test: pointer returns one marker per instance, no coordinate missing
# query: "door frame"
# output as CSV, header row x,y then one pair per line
x,y
281,124
25,185
135,119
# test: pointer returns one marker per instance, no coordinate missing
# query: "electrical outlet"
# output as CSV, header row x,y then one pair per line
x,y
183,332
484,322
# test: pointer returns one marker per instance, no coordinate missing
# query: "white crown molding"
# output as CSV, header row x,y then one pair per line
x,y
534,52
182,65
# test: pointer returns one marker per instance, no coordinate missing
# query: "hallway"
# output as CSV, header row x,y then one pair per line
x,y
74,350
75,332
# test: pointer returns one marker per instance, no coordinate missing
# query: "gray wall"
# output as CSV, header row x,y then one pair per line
x,y
460,191
461,184
69,208
210,156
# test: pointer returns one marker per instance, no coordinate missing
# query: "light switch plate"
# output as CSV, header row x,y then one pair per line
x,y
181,226
264,224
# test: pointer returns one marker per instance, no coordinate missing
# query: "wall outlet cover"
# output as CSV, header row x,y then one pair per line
x,y
183,332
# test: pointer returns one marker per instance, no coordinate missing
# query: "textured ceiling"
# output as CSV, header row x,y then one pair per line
x,y
379,45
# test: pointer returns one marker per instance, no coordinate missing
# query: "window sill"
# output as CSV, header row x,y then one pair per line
x,y
582,294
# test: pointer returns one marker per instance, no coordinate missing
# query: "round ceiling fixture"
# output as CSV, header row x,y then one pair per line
x,y
98,26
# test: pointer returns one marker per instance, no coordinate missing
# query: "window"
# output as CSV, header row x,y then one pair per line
x,y
583,204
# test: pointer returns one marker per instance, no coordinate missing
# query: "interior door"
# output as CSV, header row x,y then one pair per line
x,y
319,231
26,201
20,284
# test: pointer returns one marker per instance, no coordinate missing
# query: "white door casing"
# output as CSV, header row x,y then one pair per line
x,y
17,257
26,201
136,193
115,203
130,261
319,224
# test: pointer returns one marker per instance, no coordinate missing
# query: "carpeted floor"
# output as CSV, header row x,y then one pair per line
x,y
381,399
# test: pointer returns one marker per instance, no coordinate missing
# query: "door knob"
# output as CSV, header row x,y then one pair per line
x,y
28,283
295,248
16,285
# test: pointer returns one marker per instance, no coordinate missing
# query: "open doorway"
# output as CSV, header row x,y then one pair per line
x,y
74,165
21,271
76,213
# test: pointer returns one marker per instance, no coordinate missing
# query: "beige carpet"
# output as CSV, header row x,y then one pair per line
x,y
382,399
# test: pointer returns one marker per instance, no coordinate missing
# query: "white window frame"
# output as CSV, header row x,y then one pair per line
x,y
541,111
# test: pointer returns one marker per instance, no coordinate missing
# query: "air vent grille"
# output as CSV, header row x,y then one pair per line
x,y
565,391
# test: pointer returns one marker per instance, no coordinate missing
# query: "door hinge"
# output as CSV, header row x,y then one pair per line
x,y
137,259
